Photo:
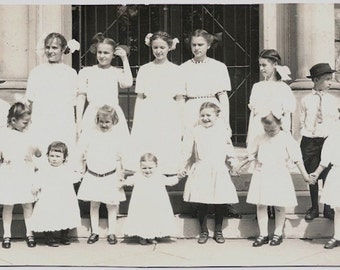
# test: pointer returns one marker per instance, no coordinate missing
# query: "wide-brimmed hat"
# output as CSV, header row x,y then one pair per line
x,y
320,69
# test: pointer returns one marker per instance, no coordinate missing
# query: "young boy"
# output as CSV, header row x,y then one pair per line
x,y
319,113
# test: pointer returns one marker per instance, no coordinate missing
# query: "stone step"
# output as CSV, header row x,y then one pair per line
x,y
295,227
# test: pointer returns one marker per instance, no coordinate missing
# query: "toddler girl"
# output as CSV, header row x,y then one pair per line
x,y
57,207
271,182
17,170
101,152
150,214
205,151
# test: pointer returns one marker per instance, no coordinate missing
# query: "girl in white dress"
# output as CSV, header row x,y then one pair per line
x,y
51,94
205,150
272,92
57,206
330,192
206,79
157,113
98,84
271,182
100,150
150,213
17,170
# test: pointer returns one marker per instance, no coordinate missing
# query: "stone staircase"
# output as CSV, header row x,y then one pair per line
x,y
295,226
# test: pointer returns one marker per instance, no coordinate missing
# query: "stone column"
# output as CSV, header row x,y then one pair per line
x,y
20,28
314,43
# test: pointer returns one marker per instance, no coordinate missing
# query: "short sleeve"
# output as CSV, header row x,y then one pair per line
x,y
140,81
223,79
253,147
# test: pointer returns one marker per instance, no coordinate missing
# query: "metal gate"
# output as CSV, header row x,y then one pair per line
x,y
239,25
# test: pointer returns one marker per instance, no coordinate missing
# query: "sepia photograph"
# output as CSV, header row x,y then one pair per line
x,y
169,134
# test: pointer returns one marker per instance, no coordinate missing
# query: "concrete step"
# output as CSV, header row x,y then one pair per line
x,y
247,227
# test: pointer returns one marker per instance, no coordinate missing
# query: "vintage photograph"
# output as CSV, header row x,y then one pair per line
x,y
170,134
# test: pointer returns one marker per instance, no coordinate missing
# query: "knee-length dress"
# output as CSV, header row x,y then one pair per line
x,y
271,182
102,152
52,88
202,82
157,121
57,205
17,171
330,154
150,213
269,94
209,180
101,88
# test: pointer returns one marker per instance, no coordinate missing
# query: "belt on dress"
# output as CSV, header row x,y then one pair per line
x,y
198,97
101,174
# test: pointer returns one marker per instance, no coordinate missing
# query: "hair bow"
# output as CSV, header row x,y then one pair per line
x,y
284,72
175,41
73,45
147,39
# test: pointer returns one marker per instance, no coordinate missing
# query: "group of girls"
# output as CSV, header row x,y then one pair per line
x,y
181,129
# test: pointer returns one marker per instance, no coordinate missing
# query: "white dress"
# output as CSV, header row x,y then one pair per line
x,y
150,213
17,172
271,182
57,205
52,88
265,96
101,88
208,178
203,81
157,120
101,150
330,154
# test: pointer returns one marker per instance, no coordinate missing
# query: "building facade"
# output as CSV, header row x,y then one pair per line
x,y
304,34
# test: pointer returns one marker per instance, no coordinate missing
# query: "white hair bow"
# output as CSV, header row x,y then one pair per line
x,y
284,72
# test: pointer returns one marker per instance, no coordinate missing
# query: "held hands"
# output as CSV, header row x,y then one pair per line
x,y
182,174
312,179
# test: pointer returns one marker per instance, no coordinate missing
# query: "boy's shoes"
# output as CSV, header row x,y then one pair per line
x,y
30,241
51,242
331,244
6,242
93,238
112,239
218,237
271,212
261,240
329,214
311,214
203,238
232,212
277,240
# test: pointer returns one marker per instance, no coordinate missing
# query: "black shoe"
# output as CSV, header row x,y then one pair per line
x,y
93,238
311,214
331,244
111,238
143,241
277,240
51,242
6,242
232,212
261,240
203,238
30,241
271,212
218,237
329,214
64,239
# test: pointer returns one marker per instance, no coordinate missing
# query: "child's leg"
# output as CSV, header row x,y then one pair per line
x,y
280,217
202,216
112,211
262,219
337,223
7,215
94,216
219,213
28,210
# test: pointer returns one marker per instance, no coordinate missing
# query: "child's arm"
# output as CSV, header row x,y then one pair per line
x,y
126,80
304,173
80,104
171,180
237,169
315,175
